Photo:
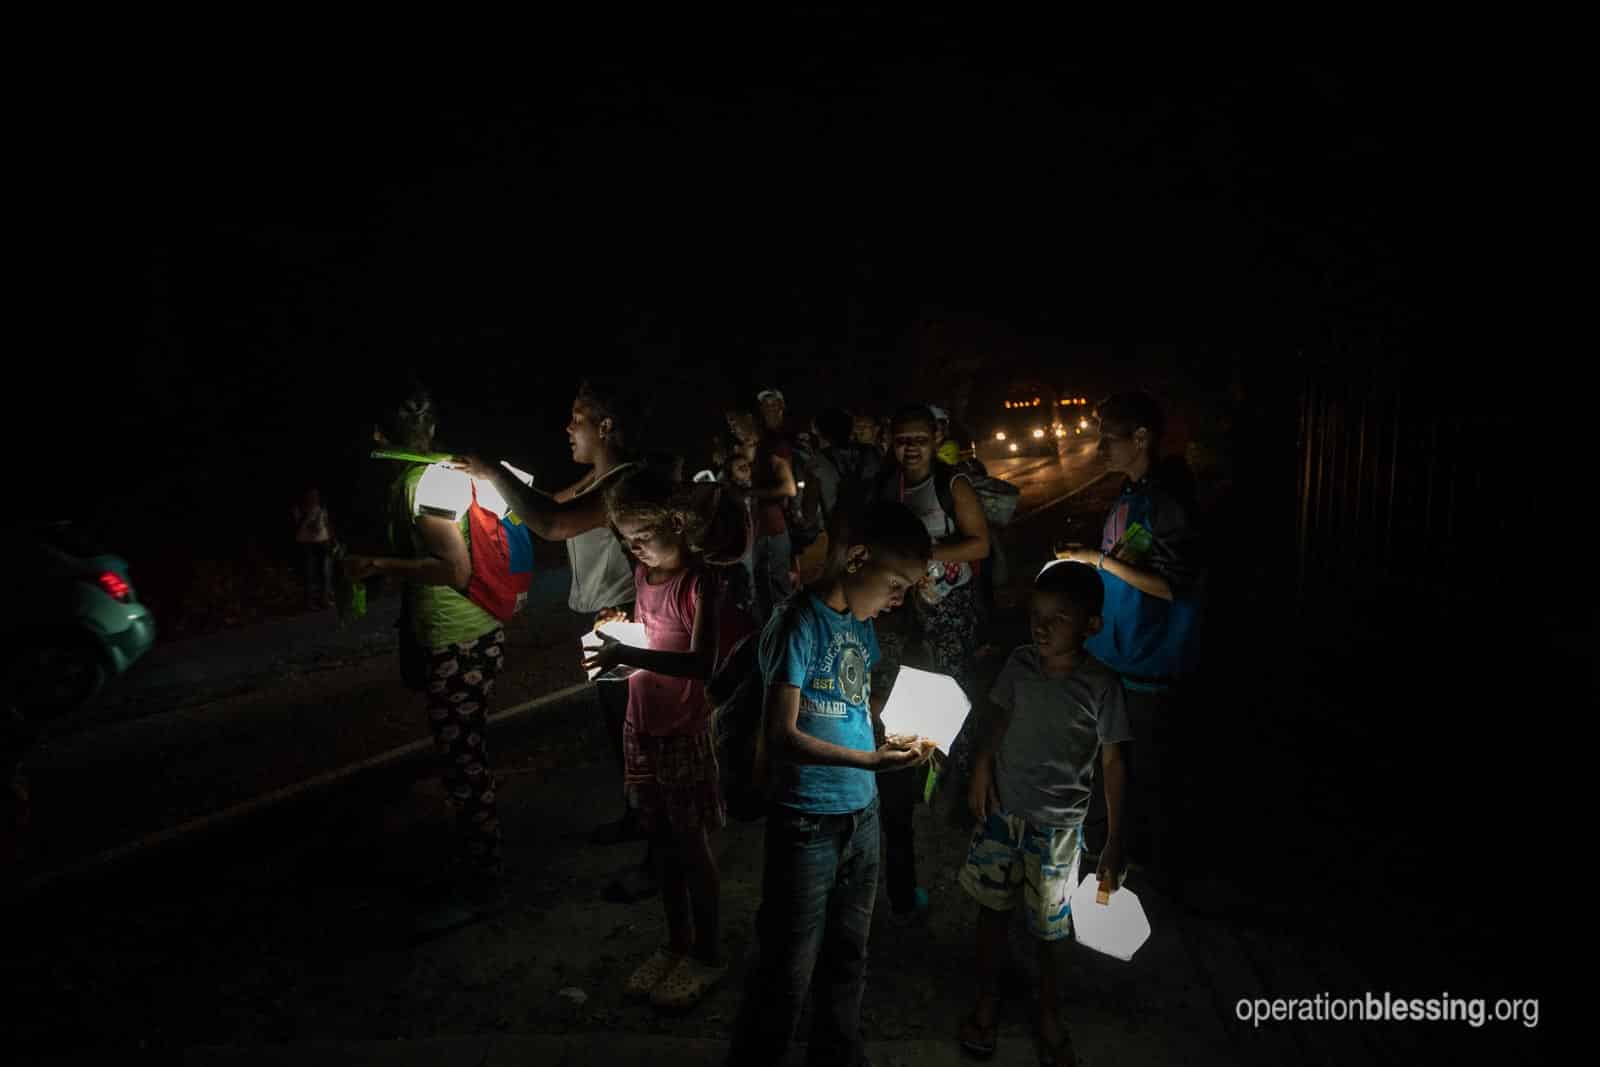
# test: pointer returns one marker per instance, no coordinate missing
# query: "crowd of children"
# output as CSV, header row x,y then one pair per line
x,y
854,547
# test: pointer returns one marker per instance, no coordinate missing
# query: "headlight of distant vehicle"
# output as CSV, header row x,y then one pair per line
x,y
1038,433
1083,424
1061,431
1013,446
999,435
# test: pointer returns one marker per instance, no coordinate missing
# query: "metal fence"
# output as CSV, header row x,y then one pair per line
x,y
1400,488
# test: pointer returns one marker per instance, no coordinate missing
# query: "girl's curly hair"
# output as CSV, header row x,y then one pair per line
x,y
715,528
647,495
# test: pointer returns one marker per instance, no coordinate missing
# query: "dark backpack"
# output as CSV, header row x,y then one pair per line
x,y
738,700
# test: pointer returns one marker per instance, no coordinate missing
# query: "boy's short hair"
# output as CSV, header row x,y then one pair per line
x,y
886,526
1133,410
913,413
1077,583
835,424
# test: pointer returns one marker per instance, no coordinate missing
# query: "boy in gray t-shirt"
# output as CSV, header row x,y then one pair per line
x,y
1057,710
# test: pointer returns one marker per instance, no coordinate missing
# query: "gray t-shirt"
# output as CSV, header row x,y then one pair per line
x,y
1044,769
602,576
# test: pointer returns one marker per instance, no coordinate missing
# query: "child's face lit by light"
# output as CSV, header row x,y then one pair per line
x,y
650,545
1057,627
881,583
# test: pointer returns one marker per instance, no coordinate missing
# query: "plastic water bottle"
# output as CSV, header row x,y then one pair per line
x,y
349,596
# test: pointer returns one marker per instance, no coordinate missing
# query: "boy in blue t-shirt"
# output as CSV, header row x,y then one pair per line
x,y
821,859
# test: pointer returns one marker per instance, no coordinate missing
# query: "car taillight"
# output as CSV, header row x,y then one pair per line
x,y
113,585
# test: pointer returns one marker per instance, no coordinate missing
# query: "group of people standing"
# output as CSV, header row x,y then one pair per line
x,y
854,551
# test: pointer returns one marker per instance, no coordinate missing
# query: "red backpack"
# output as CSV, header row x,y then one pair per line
x,y
502,561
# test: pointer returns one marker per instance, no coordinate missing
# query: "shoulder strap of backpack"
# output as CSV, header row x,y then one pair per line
x,y
943,475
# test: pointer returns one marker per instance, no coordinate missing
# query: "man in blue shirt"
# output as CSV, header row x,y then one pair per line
x,y
821,858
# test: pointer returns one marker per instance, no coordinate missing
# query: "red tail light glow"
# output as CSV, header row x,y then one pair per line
x,y
114,586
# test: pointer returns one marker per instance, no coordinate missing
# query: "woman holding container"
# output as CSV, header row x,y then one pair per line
x,y
602,433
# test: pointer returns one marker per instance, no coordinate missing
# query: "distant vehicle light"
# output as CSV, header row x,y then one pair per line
x,y
1038,433
1061,431
1083,424
999,435
1013,446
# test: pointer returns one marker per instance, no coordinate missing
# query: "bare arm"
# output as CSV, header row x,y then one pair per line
x,y
973,544
788,741
983,797
1114,770
448,563
552,518
784,488
1146,581
701,658
999,721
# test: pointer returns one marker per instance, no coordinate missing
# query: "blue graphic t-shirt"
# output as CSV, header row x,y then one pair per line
x,y
828,656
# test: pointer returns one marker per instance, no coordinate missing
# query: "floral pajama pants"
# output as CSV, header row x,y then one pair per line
x,y
461,679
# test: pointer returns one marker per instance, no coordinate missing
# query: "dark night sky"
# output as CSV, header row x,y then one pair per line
x,y
823,194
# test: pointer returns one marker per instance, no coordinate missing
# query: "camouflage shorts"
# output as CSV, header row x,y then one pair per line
x,y
1011,860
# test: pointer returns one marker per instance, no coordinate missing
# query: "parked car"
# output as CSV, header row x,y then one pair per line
x,y
74,620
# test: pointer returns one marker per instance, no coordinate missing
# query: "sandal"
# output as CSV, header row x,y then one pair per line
x,y
643,981
690,981
977,1040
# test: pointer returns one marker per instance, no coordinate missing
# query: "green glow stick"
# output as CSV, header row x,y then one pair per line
x,y
412,457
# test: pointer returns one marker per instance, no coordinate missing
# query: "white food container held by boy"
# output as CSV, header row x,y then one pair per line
x,y
924,704
1117,927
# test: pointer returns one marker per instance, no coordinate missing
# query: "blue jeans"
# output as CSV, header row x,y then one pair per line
x,y
819,881
770,572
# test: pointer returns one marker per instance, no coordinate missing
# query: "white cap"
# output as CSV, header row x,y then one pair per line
x,y
769,392
706,476
939,414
